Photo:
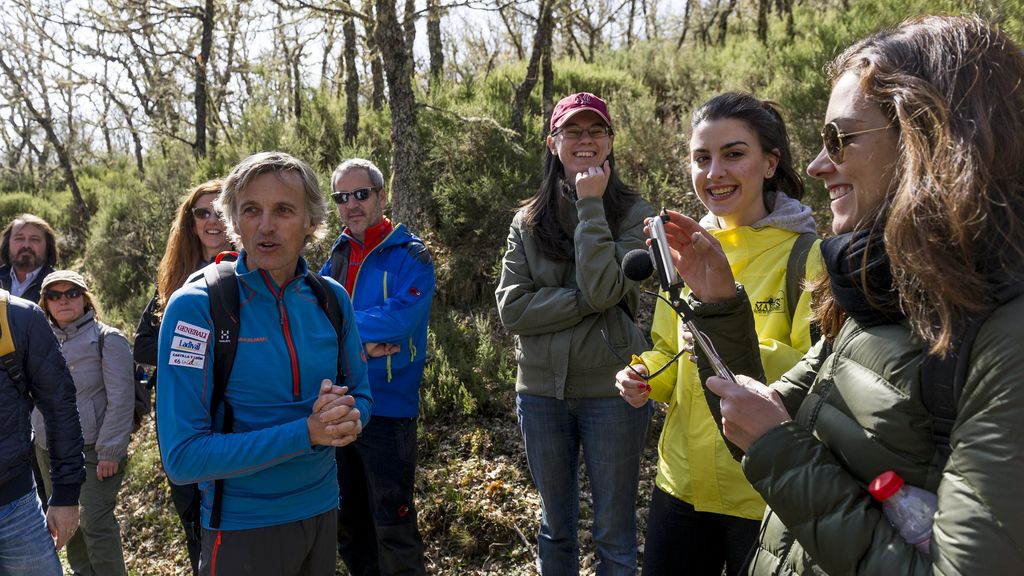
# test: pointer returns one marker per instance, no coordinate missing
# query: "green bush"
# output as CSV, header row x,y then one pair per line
x,y
468,360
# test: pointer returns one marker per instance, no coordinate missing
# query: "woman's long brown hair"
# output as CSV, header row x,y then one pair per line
x,y
954,216
183,249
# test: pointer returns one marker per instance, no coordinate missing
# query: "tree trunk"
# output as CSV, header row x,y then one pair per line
x,y
407,203
629,23
409,25
351,128
547,73
376,67
686,23
434,46
329,36
522,96
762,20
201,62
723,22
513,37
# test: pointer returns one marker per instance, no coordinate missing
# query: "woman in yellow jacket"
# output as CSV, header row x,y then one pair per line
x,y
704,515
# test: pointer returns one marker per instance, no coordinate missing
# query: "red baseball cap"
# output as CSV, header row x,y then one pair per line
x,y
574,103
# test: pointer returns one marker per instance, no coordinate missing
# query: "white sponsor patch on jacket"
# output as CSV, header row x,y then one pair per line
x,y
188,345
187,360
192,331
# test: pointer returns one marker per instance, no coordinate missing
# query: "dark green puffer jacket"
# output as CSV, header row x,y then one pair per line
x,y
857,412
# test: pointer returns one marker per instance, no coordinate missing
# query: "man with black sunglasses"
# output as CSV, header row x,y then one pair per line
x,y
28,252
389,273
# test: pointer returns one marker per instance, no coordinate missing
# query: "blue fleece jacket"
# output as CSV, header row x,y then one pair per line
x,y
286,346
392,295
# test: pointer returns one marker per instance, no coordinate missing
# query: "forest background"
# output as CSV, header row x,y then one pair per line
x,y
112,109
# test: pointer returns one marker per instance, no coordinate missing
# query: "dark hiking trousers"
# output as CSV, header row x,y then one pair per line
x,y
377,531
681,540
301,548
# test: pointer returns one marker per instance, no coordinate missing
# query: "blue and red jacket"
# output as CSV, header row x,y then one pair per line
x,y
393,288
286,346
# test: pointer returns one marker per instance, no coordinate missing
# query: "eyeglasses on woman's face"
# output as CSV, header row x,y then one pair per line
x,y
72,294
834,139
360,194
575,132
202,213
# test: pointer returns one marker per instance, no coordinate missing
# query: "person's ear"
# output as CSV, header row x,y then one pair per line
x,y
773,163
550,141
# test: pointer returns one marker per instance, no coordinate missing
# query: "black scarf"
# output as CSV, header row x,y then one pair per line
x,y
862,281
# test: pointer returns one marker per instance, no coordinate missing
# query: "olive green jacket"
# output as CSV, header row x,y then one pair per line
x,y
857,411
557,310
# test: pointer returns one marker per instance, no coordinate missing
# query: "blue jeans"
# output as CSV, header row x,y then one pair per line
x,y
612,435
26,548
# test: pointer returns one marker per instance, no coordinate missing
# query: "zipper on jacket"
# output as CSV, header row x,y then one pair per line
x,y
385,283
282,312
355,283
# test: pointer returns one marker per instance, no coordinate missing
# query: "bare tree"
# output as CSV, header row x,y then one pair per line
x,y
541,47
39,108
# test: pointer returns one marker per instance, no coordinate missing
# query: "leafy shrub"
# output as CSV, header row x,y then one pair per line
x,y
468,360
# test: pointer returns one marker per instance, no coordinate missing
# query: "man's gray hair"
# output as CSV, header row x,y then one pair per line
x,y
376,176
265,163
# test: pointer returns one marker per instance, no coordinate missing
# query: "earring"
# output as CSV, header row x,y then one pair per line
x,y
770,174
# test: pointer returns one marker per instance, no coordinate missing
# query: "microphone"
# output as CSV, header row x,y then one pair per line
x,y
637,265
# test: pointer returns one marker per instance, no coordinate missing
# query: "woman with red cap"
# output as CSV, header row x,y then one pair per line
x,y
562,286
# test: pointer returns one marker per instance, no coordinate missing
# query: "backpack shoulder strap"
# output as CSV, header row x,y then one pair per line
x,y
328,301
796,269
943,379
8,353
339,262
222,287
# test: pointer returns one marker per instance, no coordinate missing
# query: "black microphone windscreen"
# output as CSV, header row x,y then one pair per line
x,y
637,265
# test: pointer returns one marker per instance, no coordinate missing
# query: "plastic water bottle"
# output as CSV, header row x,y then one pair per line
x,y
909,508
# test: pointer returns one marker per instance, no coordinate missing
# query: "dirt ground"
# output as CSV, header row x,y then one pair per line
x,y
478,510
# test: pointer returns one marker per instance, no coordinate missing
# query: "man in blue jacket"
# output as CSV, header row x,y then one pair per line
x,y
28,541
390,276
278,510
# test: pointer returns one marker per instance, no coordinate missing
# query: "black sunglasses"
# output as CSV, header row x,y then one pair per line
x,y
204,213
54,295
360,194
834,139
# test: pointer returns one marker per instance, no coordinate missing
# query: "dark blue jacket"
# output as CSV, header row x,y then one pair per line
x,y
392,294
32,293
49,384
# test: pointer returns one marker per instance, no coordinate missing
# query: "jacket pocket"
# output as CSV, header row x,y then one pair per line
x,y
87,417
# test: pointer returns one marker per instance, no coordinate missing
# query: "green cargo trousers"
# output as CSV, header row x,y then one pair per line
x,y
95,549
